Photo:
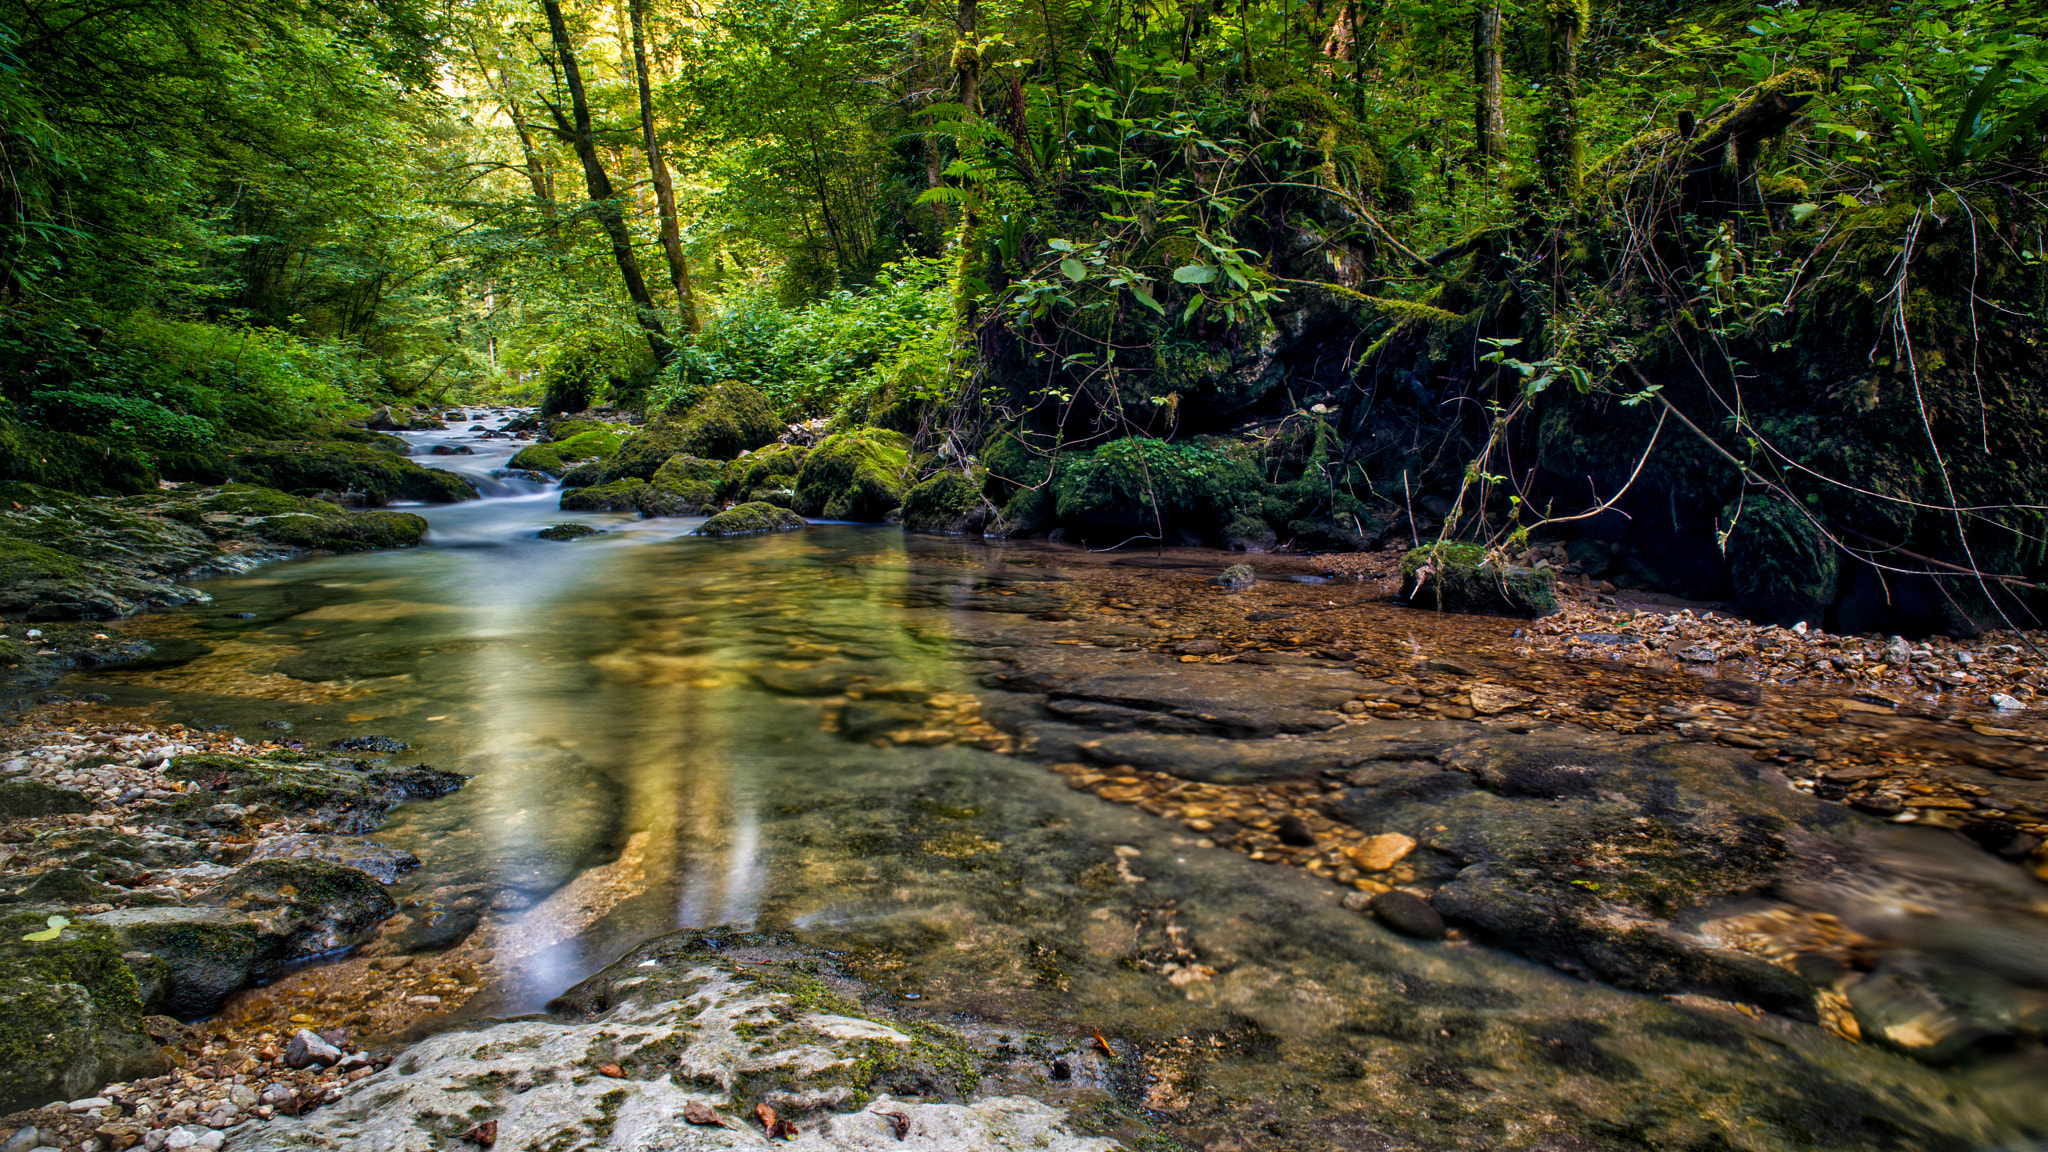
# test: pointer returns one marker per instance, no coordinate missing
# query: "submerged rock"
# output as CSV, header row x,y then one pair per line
x,y
748,518
692,1035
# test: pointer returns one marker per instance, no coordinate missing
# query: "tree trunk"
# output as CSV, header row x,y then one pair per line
x,y
967,59
602,199
1489,120
664,188
1563,153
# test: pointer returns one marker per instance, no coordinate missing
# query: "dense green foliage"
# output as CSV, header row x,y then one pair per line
x,y
1256,274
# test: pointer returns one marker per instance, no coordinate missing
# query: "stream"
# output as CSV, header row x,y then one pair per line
x,y
667,731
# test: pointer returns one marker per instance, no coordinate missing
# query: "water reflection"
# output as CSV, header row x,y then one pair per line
x,y
783,733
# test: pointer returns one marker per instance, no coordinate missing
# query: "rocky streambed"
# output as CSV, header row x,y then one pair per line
x,y
1003,846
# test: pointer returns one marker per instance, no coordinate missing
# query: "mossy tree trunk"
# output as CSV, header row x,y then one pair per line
x,y
1562,153
1489,117
604,202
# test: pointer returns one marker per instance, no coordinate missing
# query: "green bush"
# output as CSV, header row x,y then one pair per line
x,y
837,355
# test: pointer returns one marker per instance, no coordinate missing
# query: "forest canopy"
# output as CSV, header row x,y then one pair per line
x,y
1751,296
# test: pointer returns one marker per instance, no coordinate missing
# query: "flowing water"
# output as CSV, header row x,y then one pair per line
x,y
655,729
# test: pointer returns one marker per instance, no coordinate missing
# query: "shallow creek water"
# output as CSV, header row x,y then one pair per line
x,y
659,740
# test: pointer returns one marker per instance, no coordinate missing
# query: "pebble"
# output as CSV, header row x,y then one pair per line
x,y
1408,914
307,1049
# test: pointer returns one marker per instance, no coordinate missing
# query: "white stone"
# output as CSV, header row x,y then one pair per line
x,y
89,1104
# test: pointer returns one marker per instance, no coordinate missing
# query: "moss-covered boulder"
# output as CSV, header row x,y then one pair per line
x,y
1783,568
346,531
732,418
858,475
301,908
568,532
1249,534
70,1013
583,475
1461,578
203,955
538,458
642,454
948,504
773,467
614,496
742,519
569,441
1139,484
686,486
379,477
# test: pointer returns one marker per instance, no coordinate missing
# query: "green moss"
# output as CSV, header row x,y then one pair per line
x,y
342,531
754,517
773,467
617,496
1139,484
538,458
28,799
1460,578
70,1013
733,418
568,532
642,454
947,504
858,475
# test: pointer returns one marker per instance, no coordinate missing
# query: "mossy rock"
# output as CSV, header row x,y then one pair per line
x,y
310,466
203,955
733,418
70,1014
684,485
83,464
346,531
338,793
1249,534
1783,568
948,504
538,458
30,799
1139,484
858,475
584,475
302,908
642,454
615,496
1458,578
773,467
752,517
568,532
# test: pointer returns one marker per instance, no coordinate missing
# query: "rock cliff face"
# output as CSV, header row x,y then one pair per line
x,y
676,1045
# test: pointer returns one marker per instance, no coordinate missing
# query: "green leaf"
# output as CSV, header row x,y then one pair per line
x,y
1145,297
1195,274
1074,269
1801,211
56,924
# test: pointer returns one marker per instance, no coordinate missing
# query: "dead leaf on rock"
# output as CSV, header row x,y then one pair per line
x,y
483,1135
611,1070
698,1112
777,1129
899,1124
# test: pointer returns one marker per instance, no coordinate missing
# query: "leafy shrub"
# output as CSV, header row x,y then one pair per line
x,y
838,355
126,419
